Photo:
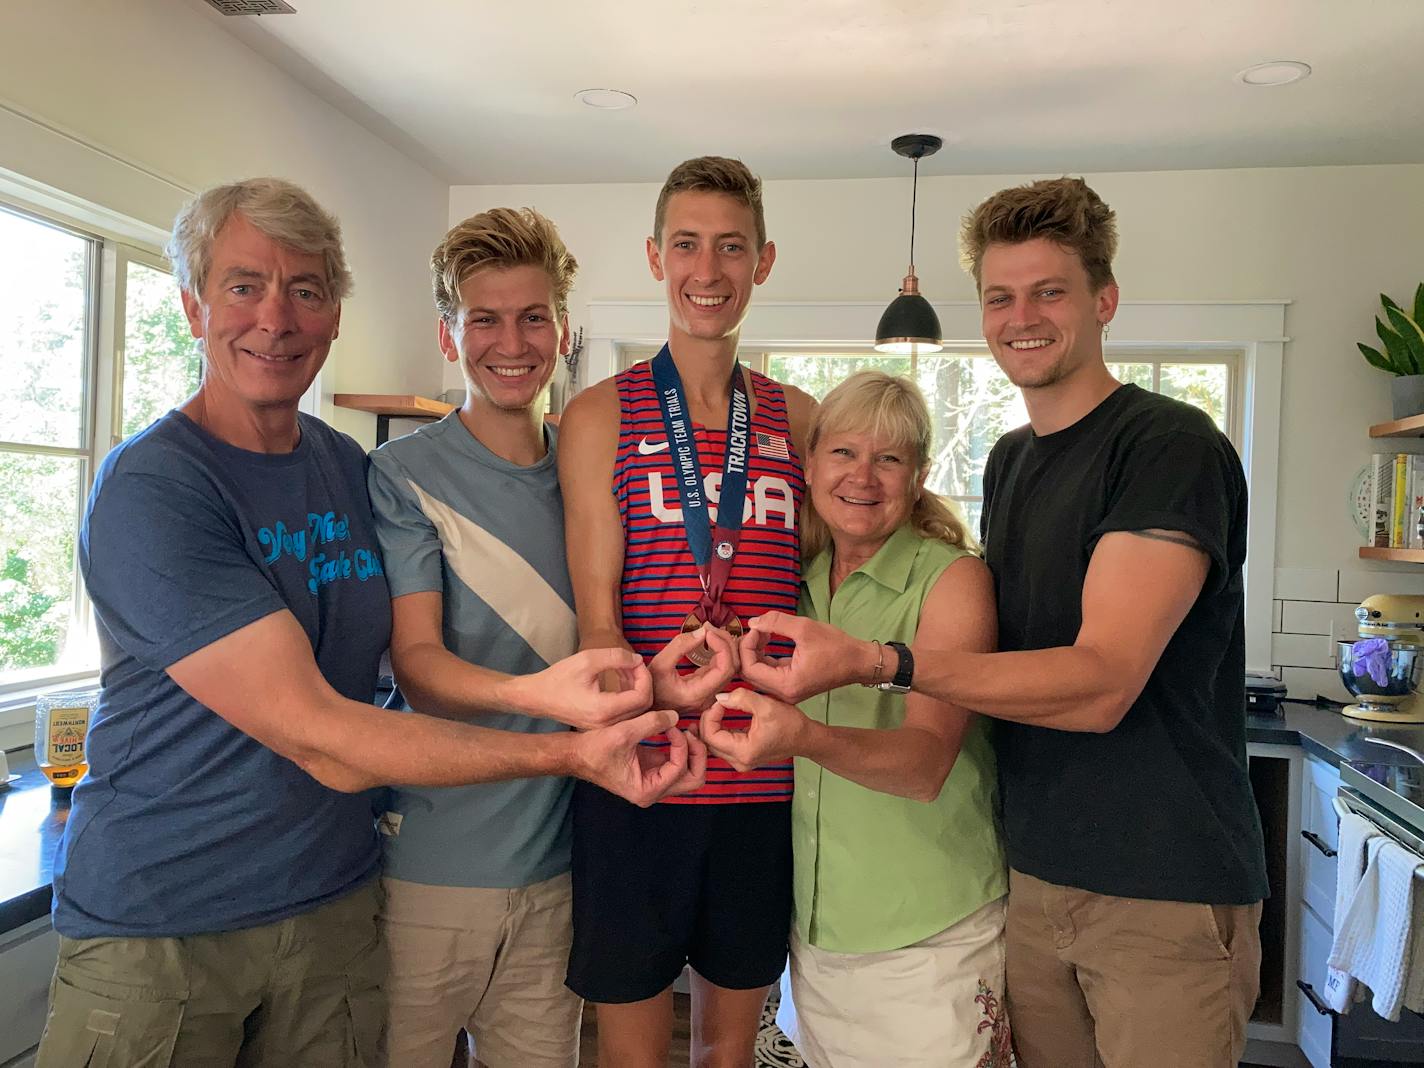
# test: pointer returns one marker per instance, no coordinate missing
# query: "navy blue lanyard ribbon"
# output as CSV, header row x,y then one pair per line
x,y
712,550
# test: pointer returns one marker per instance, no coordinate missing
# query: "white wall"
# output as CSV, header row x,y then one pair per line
x,y
131,104
1330,239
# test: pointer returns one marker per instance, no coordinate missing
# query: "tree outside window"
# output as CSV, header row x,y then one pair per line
x,y
54,431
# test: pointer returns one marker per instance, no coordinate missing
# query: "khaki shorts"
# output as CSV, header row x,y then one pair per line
x,y
1125,982
935,1004
490,961
302,991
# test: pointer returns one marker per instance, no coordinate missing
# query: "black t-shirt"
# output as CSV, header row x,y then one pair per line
x,y
1161,806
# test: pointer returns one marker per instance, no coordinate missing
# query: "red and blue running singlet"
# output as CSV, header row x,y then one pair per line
x,y
660,578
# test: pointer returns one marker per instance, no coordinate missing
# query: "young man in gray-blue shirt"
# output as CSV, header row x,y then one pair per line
x,y
470,521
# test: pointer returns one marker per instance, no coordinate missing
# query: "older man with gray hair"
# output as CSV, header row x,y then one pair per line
x,y
215,889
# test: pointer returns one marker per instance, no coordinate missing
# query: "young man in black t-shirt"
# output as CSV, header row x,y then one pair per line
x,y
1115,526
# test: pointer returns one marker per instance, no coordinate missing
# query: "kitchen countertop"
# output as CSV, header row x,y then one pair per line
x,y
1327,734
32,816
31,820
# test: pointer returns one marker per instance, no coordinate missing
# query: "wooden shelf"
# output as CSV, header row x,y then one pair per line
x,y
1413,427
400,405
1408,556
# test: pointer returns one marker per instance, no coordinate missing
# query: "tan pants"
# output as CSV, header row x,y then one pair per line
x,y
490,961
302,991
935,1004
1121,982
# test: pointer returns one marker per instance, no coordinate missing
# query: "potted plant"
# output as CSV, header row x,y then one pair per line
x,y
1403,355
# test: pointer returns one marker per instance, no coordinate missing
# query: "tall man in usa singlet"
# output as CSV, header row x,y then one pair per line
x,y
660,567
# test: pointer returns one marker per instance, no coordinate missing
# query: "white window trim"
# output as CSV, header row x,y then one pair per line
x,y
1254,328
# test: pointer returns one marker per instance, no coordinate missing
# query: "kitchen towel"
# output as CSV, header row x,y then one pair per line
x,y
1377,939
1355,833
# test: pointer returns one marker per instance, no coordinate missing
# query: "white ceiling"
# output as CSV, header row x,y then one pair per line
x,y
482,92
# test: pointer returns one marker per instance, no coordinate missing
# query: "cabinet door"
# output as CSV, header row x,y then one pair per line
x,y
1313,1028
27,957
1317,819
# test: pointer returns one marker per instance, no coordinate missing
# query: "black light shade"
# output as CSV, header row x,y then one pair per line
x,y
910,325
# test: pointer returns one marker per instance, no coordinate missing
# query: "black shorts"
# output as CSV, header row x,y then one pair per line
x,y
657,888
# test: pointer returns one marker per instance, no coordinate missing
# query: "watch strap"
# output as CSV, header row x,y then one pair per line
x,y
904,671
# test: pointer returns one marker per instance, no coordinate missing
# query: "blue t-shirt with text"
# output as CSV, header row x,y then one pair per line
x,y
185,824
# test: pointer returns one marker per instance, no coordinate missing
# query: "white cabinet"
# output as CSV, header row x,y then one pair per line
x,y
1315,911
27,956
1320,832
1313,1026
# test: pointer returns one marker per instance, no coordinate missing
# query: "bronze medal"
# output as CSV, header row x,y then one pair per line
x,y
702,656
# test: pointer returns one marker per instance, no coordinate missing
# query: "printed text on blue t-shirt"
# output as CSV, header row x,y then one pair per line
x,y
320,530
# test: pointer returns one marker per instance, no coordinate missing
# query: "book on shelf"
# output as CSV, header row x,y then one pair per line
x,y
1414,504
1381,495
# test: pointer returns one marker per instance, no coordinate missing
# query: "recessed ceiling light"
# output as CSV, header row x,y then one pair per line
x,y
1276,72
606,99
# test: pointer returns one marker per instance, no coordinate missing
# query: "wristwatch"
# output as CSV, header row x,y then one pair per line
x,y
904,673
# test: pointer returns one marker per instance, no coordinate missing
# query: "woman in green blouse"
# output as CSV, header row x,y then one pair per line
x,y
897,948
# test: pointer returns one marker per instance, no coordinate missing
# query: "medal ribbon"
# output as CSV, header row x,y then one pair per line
x,y
712,550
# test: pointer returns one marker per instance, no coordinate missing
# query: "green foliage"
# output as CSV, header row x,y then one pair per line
x,y
972,403
44,293
32,622
1402,337
162,365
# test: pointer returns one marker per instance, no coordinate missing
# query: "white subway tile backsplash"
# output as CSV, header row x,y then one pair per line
x,y
1356,585
1315,617
1302,650
1308,683
1275,617
1306,584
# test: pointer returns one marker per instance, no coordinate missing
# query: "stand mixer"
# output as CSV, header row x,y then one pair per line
x,y
1399,621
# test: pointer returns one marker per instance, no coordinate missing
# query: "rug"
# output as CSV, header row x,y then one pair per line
x,y
773,1049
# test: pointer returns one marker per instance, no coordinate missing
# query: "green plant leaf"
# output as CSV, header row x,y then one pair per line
x,y
1377,358
1412,334
1419,304
1397,349
1388,303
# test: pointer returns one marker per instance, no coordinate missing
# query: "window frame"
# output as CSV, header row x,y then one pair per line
x,y
118,240
101,415
759,360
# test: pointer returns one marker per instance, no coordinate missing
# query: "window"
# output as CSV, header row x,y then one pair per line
x,y
972,404
67,397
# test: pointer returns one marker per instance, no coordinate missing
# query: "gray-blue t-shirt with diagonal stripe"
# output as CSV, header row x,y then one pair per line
x,y
488,535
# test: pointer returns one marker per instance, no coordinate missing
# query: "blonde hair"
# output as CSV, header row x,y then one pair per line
x,y
501,237
891,410
283,211
712,174
1066,211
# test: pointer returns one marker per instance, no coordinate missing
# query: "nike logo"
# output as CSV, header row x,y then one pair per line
x,y
646,448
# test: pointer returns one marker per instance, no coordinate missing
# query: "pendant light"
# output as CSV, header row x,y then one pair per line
x,y
910,324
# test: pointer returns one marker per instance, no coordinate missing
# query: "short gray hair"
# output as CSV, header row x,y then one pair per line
x,y
283,211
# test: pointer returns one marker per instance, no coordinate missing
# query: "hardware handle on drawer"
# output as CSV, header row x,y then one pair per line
x,y
1313,997
1318,842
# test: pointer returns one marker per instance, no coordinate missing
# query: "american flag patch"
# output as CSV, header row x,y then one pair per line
x,y
772,446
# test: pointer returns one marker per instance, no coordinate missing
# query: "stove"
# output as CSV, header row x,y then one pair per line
x,y
1388,790
1394,783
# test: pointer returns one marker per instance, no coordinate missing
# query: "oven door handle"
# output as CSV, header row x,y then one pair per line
x,y
1314,998
1318,842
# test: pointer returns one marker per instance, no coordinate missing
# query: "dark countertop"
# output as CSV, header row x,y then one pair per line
x,y
32,816
31,821
1327,734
